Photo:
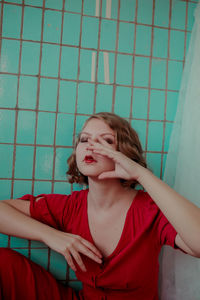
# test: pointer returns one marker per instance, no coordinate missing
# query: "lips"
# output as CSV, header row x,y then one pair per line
x,y
89,159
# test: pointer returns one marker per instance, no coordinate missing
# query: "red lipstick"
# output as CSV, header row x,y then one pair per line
x,y
89,159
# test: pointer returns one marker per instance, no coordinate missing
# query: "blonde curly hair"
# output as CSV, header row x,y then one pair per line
x,y
127,142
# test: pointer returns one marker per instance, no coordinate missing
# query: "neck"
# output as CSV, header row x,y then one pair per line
x,y
105,193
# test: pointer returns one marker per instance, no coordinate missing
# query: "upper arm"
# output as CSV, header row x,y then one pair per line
x,y
21,205
182,245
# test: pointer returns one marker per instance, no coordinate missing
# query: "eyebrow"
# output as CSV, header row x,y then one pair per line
x,y
106,133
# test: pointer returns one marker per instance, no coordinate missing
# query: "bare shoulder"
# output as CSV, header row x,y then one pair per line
x,y
21,205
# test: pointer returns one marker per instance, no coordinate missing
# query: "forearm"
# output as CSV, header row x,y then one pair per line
x,y
180,212
15,223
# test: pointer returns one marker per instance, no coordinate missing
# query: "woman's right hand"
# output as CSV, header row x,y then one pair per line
x,y
70,245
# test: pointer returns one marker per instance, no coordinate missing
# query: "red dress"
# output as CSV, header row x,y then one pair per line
x,y
129,273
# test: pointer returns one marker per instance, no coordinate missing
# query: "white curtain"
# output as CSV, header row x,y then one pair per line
x,y
180,273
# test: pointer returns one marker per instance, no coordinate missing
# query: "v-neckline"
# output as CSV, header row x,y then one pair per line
x,y
124,226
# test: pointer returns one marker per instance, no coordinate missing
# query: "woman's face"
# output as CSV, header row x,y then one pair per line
x,y
89,163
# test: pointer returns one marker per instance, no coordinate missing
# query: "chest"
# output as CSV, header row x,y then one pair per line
x,y
107,230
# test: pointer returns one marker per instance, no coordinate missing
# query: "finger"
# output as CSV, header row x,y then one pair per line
x,y
78,259
91,247
105,175
86,251
69,260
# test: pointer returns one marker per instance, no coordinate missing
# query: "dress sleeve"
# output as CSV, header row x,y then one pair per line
x,y
166,232
50,209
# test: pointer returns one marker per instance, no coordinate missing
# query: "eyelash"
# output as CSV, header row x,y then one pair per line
x,y
85,140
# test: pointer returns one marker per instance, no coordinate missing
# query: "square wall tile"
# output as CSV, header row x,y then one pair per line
x,y
168,131
26,127
143,40
28,64
110,11
155,136
71,36
27,92
124,69
127,10
85,98
8,91
46,128
141,71
69,63
7,126
58,4
90,29
22,187
62,155
52,26
126,37
80,121
34,2
161,15
48,94
58,265
104,98
44,163
24,162
172,101
50,60
106,67
87,66
42,187
32,25
122,101
154,162
157,105
145,11
175,70
62,188
158,74
9,61
12,15
5,188
140,127
64,131
3,240
178,14
89,7
108,35
40,257
6,160
15,1
67,96
140,103
177,43
74,6
18,242
160,43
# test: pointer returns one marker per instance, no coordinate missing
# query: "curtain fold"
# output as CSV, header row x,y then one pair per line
x,y
180,273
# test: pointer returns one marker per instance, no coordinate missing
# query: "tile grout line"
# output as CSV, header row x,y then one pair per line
x,y
149,83
133,65
16,112
78,74
97,58
115,63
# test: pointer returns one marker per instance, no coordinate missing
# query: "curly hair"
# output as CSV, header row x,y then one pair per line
x,y
127,142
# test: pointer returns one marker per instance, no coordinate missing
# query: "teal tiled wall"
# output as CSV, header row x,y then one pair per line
x,y
60,62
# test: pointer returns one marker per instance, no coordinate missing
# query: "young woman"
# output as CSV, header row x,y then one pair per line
x,y
110,234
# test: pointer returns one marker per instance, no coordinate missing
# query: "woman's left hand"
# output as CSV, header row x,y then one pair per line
x,y
125,168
